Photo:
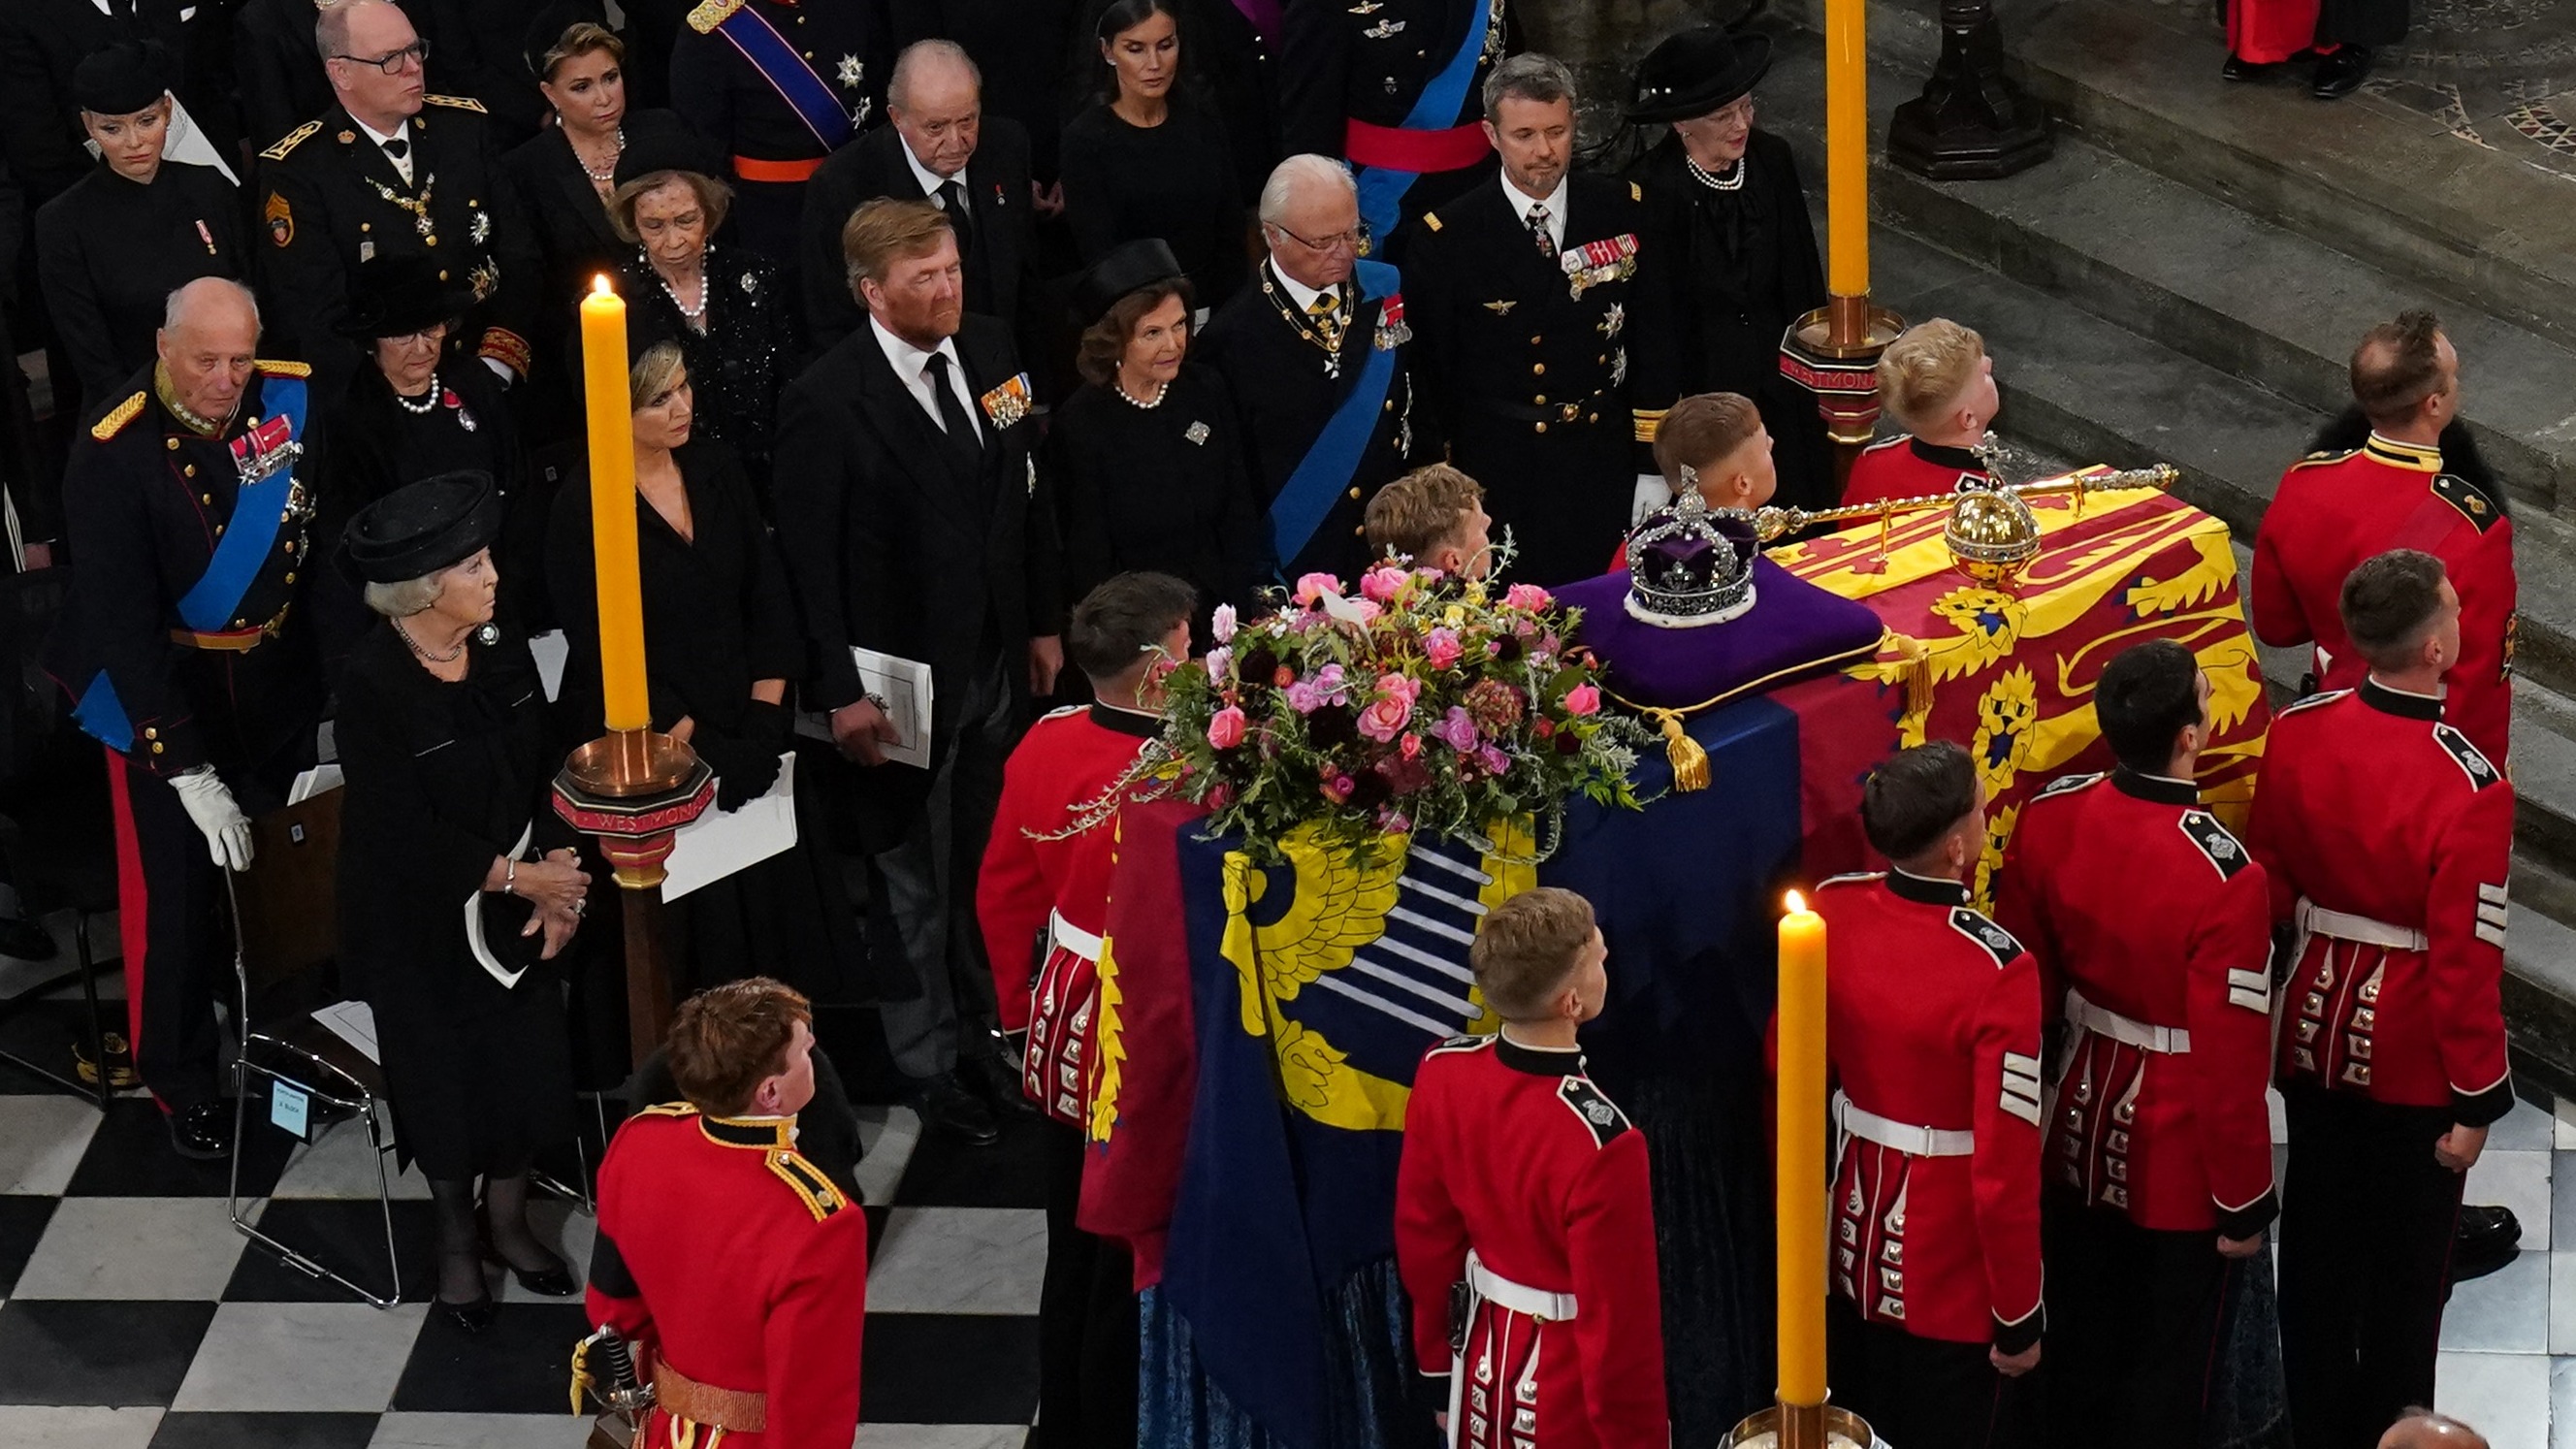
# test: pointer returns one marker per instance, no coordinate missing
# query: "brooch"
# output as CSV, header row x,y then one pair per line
x,y
1196,432
482,227
1383,29
750,284
1593,263
1614,321
1502,308
1391,329
1007,404
486,279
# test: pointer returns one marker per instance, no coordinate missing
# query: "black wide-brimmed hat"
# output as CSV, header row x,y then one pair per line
x,y
1130,267
399,294
120,79
422,527
1696,71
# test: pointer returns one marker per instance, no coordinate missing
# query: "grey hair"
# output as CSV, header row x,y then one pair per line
x,y
921,51
1304,169
402,600
175,305
1528,76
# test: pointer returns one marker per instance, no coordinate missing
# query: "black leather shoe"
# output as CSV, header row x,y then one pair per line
x,y
2485,1240
997,1082
553,1280
2341,73
2244,70
470,1318
946,1106
203,1132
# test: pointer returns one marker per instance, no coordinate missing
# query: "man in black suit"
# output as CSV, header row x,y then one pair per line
x,y
1296,348
915,523
935,100
1542,332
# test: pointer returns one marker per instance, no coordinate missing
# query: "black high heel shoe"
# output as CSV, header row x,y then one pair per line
x,y
470,1318
553,1280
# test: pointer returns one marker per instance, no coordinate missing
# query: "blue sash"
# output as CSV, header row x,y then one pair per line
x,y
259,511
1334,456
101,715
787,73
1436,109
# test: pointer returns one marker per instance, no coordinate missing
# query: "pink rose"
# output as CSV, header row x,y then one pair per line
x,y
1393,821
1220,797
1311,587
1338,789
1409,746
1441,647
1309,695
1527,596
1583,699
1387,715
1457,731
1221,624
1225,728
1367,612
1382,584
1494,760
1220,661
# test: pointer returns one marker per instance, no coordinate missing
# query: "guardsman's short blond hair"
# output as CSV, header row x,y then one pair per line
x,y
1925,370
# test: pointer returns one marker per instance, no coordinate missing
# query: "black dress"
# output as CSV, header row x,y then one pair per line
x,y
1176,181
441,778
110,252
1160,488
738,364
1745,268
717,616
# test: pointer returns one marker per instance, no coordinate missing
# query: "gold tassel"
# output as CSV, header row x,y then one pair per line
x,y
581,1378
1918,670
1690,762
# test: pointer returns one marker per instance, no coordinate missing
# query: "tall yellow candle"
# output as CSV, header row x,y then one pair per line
x,y
612,508
1846,151
1801,1190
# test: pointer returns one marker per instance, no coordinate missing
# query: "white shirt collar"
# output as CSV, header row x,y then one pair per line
x,y
911,368
1298,292
400,133
930,180
1522,201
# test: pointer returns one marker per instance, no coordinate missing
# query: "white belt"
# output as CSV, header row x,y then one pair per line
x,y
1061,932
2316,920
1905,1137
2102,1021
1520,1298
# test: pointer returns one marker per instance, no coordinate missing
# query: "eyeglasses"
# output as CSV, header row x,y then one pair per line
x,y
1737,113
1335,242
416,53
435,333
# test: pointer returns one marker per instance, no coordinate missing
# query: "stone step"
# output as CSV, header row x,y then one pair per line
x,y
2438,172
2244,296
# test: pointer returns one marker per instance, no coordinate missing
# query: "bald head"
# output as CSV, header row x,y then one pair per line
x,y
2424,1429
356,39
209,334
936,100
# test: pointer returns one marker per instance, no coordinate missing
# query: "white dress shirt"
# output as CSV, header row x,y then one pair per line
x,y
931,180
400,133
1303,295
1554,201
912,367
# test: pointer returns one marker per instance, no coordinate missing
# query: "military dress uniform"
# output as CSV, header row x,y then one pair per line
x,y
2334,510
151,496
2387,836
1361,82
1522,1198
2151,924
1289,370
740,1274
1545,361
1932,1030
1905,466
332,198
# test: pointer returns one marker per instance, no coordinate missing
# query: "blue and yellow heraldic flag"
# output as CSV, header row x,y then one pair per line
x,y
1319,982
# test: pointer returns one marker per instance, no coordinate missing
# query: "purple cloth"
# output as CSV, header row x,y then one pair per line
x,y
1793,630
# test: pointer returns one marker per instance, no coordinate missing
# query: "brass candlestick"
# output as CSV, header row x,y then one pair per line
x,y
633,789
1801,1426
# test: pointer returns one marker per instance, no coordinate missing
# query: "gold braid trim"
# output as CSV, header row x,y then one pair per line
x,y
1690,762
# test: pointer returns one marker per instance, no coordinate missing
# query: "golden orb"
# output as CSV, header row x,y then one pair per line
x,y
1992,536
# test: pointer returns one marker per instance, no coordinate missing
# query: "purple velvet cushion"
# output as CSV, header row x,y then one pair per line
x,y
1793,630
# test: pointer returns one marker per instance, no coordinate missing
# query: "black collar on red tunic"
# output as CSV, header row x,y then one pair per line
x,y
761,1132
1538,1061
1925,891
2405,704
1126,721
1947,457
2162,789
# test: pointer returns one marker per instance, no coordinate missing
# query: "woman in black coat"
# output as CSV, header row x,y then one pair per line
x,y
724,642
457,883
1149,161
1148,466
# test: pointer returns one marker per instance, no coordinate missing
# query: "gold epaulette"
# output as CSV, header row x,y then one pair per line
x,y
1431,219
290,141
821,1197
1636,192
711,13
2319,460
1648,422
117,417
669,1109
280,367
461,103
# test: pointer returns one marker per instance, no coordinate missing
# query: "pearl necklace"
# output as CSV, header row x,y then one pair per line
x,y
450,657
604,176
1160,388
1733,181
687,311
428,400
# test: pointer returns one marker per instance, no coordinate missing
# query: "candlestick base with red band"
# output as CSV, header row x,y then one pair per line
x,y
1833,353
1801,1426
632,789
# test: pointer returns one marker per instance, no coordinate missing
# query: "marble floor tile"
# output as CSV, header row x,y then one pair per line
x,y
2527,1127
2504,1396
481,1431
342,1164
134,1248
2506,1311
2563,1125
2562,1303
2518,1180
2280,1115
942,1436
958,1260
301,1357
889,1150
2562,1403
41,1427
41,1141
2562,1217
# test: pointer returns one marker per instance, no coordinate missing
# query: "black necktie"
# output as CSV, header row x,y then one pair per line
x,y
397,147
962,439
952,199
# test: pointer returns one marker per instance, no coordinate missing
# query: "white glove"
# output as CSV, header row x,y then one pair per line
x,y
501,370
1652,493
210,805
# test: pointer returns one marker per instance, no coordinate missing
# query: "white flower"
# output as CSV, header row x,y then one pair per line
x,y
1221,625
1220,660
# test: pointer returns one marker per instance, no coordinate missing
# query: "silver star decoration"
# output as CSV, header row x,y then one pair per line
x,y
851,72
482,227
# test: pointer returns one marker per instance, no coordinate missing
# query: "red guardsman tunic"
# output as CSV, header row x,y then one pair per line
x,y
2151,925
2387,837
1515,1163
1905,466
1055,887
740,1274
2333,511
1932,1031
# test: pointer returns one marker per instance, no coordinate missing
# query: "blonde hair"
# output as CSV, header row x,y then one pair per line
x,y
714,198
1526,949
579,39
1927,368
1702,430
1411,515
884,231
652,373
